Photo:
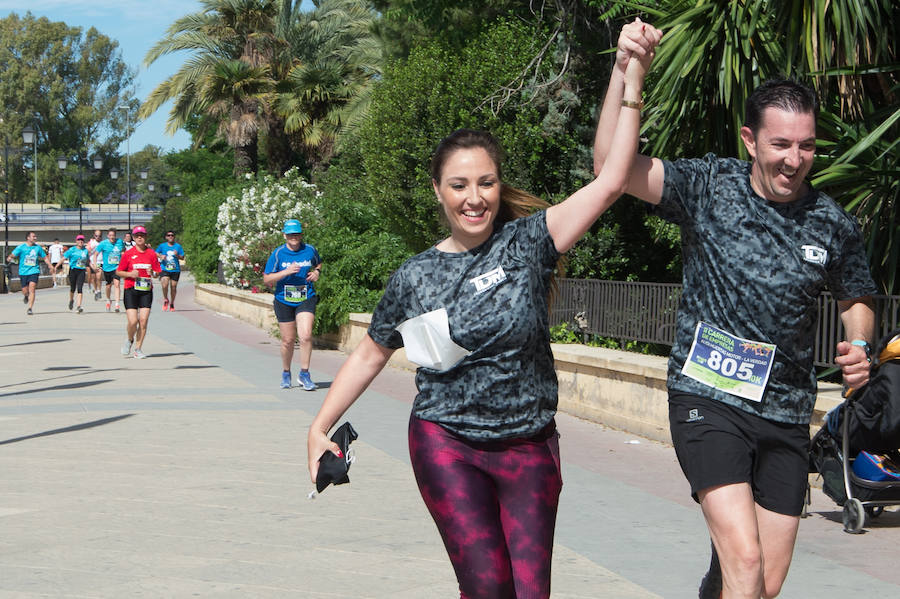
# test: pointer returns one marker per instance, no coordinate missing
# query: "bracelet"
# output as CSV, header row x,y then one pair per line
x,y
630,104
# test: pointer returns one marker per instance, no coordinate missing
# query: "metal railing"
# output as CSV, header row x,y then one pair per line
x,y
72,217
646,312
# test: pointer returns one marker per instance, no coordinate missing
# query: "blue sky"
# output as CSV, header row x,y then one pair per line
x,y
136,25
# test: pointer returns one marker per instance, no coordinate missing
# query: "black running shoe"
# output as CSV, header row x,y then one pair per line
x,y
711,585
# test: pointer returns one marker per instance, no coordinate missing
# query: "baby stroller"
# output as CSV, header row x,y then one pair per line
x,y
866,423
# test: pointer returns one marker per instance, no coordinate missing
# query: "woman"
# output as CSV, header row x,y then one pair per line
x,y
128,241
79,259
137,267
482,437
293,269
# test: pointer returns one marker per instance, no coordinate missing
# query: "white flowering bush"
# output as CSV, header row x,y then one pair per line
x,y
250,225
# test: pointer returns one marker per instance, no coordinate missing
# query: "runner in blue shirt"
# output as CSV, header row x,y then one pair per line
x,y
28,255
169,254
293,269
79,258
110,252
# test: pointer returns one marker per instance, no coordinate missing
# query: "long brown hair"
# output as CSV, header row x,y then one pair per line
x,y
514,203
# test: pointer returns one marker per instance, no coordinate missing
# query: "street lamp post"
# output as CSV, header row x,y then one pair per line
x,y
128,161
29,134
62,162
114,175
145,172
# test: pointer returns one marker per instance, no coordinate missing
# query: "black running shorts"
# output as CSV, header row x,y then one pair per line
x,y
134,299
717,444
109,276
285,313
172,274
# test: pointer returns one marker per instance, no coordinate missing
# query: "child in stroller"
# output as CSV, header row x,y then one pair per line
x,y
865,425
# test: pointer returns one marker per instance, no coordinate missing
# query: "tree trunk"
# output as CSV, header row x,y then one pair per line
x,y
245,159
278,147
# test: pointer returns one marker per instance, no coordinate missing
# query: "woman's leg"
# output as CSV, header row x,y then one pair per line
x,y
463,503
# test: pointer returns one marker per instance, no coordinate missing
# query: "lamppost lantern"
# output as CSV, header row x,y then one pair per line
x,y
98,163
114,173
29,136
62,162
145,172
151,186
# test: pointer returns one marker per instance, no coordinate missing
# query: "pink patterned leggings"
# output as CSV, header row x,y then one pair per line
x,y
494,504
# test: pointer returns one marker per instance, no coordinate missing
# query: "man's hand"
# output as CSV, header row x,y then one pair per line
x,y
854,364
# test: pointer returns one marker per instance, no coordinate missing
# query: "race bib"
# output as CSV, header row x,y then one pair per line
x,y
142,284
170,261
295,294
113,259
737,366
30,260
80,263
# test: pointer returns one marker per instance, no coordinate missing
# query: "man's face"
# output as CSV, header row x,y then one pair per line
x,y
782,150
170,237
97,235
111,235
31,238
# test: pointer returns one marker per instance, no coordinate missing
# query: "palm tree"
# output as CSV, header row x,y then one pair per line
x,y
715,52
227,77
326,89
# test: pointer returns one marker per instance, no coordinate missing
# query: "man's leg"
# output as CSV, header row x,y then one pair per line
x,y
32,287
164,282
777,534
173,288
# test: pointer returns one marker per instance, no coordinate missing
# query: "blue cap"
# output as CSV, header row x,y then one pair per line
x,y
292,226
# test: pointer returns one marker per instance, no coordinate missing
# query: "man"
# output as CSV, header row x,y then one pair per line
x,y
28,255
139,264
759,245
110,252
293,268
55,250
95,279
169,254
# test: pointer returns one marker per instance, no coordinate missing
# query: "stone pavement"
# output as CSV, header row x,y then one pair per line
x,y
184,475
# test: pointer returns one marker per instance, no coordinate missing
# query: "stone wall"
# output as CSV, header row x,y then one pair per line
x,y
623,390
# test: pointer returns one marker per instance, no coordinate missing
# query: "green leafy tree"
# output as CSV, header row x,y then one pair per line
x,y
73,80
437,90
334,60
228,75
715,52
200,232
358,252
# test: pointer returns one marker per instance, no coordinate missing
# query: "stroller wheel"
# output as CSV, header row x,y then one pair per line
x,y
854,516
874,511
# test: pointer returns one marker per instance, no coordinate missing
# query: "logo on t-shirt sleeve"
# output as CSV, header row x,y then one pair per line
x,y
815,254
488,280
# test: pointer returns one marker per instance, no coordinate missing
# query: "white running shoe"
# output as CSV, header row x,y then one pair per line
x,y
139,354
126,347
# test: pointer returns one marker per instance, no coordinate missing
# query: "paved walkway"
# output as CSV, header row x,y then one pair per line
x,y
185,475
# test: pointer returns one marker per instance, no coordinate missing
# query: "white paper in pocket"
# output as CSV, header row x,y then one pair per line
x,y
426,338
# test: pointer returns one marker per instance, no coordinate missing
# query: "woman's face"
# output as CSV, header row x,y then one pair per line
x,y
469,192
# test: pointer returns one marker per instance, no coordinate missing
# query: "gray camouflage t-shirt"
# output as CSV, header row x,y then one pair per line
x,y
496,299
755,269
